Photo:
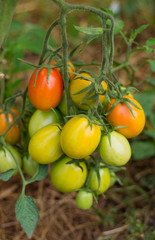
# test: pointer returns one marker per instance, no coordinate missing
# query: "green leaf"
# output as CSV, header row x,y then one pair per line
x,y
141,149
150,133
135,32
119,26
5,176
152,64
150,42
146,99
40,174
16,26
91,30
27,214
151,81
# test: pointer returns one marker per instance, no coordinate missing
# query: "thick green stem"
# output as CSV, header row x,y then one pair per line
x,y
2,86
65,59
6,13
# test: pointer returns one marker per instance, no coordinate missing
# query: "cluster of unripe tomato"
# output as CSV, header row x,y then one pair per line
x,y
69,142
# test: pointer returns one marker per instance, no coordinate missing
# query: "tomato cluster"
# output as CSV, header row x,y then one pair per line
x,y
69,142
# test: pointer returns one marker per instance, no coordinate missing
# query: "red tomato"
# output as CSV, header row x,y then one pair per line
x,y
45,95
13,135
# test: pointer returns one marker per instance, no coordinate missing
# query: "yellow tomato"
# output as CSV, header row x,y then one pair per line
x,y
78,139
44,146
79,83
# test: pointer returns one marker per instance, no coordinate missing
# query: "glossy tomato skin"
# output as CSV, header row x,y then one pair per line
x,y
121,115
29,166
93,182
77,138
41,119
13,135
79,83
43,95
68,177
117,152
44,146
84,200
7,161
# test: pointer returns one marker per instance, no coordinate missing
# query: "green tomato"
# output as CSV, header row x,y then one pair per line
x,y
93,182
68,177
7,161
30,167
63,105
44,146
117,152
84,200
112,178
41,119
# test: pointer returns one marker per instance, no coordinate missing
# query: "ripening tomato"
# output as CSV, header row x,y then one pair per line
x,y
84,199
67,177
44,146
71,68
7,161
117,151
29,166
41,119
78,84
78,139
13,135
121,115
45,95
93,182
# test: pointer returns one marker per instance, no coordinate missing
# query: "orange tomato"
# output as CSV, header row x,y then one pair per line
x,y
13,135
71,68
121,115
45,95
77,84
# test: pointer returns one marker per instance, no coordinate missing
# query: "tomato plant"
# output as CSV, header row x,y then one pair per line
x,y
121,115
13,135
93,181
45,93
40,119
84,200
79,83
44,146
115,151
67,177
7,161
78,139
29,166
86,108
